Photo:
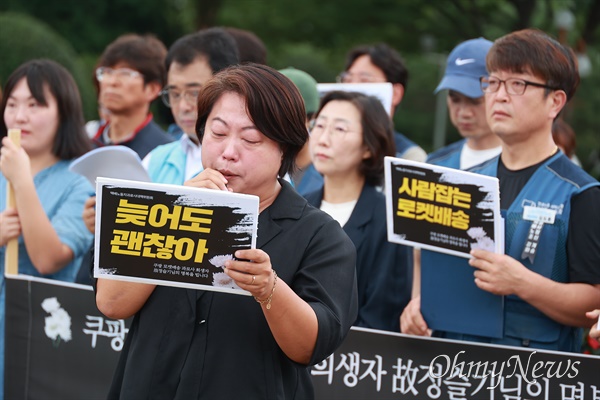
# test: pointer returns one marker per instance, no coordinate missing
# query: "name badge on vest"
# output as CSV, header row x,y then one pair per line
x,y
538,217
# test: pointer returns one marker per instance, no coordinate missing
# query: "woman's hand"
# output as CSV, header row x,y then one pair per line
x,y
595,330
89,214
412,321
209,179
292,320
10,225
254,273
14,163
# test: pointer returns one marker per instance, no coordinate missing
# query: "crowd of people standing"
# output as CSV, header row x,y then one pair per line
x,y
322,262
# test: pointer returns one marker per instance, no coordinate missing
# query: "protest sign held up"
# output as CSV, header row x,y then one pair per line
x,y
171,235
442,209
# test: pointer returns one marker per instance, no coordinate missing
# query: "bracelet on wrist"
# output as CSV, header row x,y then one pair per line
x,y
267,301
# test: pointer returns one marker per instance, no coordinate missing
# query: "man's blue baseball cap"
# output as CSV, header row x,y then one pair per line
x,y
465,65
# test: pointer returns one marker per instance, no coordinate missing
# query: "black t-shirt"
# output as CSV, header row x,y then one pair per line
x,y
583,240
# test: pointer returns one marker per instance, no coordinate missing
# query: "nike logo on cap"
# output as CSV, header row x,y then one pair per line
x,y
461,61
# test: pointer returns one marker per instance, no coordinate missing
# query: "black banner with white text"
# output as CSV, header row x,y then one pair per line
x,y
59,346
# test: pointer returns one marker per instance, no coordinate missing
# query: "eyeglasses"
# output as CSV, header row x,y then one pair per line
x,y
172,96
513,86
336,129
361,77
119,73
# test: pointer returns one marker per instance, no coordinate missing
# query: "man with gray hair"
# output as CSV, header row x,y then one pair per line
x,y
191,61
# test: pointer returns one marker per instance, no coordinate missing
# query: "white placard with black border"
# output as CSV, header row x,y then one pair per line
x,y
171,235
442,209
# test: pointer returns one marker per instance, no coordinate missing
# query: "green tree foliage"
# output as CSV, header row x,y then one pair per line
x,y
91,25
23,38
582,114
424,31
315,35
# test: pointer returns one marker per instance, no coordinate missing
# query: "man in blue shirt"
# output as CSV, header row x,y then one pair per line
x,y
191,61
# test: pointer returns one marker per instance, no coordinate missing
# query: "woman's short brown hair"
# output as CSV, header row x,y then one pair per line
x,y
273,103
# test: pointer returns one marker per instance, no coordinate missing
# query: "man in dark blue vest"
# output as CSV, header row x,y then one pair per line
x,y
550,272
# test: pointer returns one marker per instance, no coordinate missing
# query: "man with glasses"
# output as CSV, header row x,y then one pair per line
x,y
378,64
130,74
550,272
191,61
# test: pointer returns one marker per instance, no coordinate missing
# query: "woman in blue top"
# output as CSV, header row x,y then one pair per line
x,y
42,100
350,137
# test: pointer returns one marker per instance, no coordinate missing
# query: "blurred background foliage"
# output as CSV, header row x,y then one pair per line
x,y
314,35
